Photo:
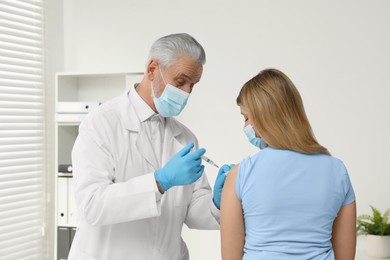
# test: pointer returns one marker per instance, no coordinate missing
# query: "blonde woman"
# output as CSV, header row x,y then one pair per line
x,y
291,200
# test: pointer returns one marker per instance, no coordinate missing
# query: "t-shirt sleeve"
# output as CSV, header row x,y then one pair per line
x,y
240,179
348,189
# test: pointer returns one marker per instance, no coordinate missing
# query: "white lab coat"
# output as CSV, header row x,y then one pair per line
x,y
120,214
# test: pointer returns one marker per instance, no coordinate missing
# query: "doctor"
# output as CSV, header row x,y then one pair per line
x,y
137,172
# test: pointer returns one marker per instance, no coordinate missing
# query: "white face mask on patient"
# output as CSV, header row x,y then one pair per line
x,y
256,141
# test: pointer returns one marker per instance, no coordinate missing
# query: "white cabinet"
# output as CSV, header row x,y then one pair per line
x,y
76,96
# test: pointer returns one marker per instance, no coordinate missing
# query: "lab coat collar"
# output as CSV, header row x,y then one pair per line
x,y
143,110
135,110
138,111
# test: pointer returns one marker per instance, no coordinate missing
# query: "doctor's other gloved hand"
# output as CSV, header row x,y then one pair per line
x,y
219,182
184,168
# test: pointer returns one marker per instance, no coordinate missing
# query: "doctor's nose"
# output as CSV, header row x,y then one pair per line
x,y
187,88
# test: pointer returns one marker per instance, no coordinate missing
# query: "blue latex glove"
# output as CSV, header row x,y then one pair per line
x,y
184,168
219,182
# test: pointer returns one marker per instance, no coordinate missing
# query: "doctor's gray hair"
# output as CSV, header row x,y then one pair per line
x,y
167,49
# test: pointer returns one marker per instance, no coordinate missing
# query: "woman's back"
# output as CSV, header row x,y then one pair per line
x,y
290,201
282,203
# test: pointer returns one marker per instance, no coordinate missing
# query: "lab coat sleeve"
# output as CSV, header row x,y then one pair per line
x,y
202,213
100,200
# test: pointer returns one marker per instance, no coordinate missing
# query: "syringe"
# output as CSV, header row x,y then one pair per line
x,y
209,161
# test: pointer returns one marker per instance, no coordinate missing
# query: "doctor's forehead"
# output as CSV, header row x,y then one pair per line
x,y
187,68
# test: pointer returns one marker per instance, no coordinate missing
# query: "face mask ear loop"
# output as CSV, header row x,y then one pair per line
x,y
159,68
153,94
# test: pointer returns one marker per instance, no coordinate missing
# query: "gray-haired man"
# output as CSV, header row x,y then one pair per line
x,y
138,174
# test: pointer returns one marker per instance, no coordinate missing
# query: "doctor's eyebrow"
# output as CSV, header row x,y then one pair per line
x,y
182,75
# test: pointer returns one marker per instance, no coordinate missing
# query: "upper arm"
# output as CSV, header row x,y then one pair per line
x,y
344,232
232,220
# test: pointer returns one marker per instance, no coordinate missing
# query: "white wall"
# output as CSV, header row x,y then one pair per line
x,y
336,52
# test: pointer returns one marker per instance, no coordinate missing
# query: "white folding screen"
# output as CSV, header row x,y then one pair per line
x,y
22,142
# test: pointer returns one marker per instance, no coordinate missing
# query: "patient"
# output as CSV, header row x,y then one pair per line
x,y
291,200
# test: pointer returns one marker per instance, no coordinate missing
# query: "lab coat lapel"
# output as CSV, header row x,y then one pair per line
x,y
132,123
145,148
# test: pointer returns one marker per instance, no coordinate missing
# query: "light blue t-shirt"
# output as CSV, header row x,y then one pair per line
x,y
290,201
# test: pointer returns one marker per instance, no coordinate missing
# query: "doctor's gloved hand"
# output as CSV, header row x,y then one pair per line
x,y
219,182
184,168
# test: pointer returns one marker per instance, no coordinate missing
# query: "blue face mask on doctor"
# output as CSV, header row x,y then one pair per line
x,y
172,101
256,141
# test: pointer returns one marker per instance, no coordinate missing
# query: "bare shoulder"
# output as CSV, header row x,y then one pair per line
x,y
231,177
230,202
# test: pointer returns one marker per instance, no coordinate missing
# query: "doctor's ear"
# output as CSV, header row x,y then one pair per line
x,y
151,69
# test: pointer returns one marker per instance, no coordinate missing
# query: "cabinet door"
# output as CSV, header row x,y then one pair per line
x,y
62,201
71,204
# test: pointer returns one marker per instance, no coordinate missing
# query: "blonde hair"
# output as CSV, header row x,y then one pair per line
x,y
276,108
